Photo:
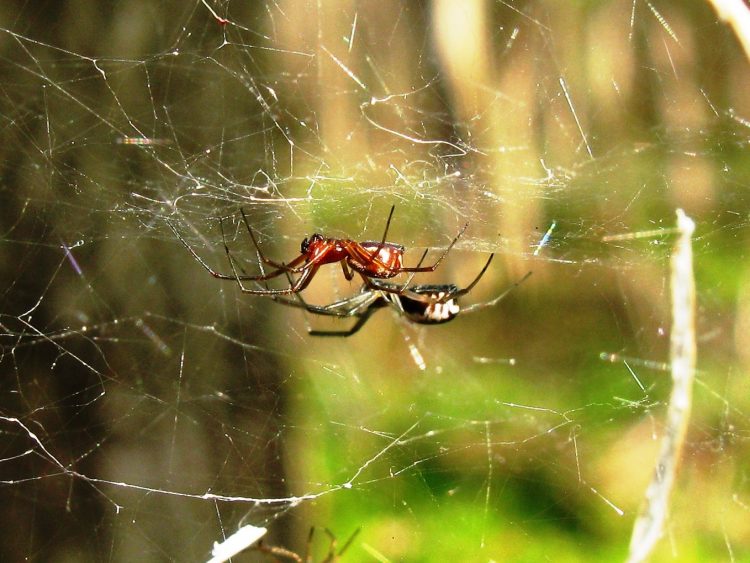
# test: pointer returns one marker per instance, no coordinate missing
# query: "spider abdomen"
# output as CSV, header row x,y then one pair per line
x,y
385,260
441,306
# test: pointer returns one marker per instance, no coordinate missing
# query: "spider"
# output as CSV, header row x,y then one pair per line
x,y
370,259
420,304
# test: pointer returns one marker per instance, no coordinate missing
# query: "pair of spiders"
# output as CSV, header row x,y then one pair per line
x,y
373,261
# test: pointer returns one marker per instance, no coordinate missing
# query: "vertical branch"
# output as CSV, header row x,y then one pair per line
x,y
649,526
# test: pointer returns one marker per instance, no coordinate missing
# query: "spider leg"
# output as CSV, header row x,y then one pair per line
x,y
374,253
281,267
304,280
330,557
469,287
496,300
277,551
296,301
394,300
348,274
443,255
264,276
301,283
349,542
411,277
387,226
308,544
427,298
361,320
234,265
374,285
197,258
349,307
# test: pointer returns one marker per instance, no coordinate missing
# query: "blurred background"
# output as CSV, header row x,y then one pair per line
x,y
148,409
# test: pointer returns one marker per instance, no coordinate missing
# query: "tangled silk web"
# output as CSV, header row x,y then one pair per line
x,y
149,409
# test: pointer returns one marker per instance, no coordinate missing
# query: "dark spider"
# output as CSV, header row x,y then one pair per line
x,y
421,304
370,259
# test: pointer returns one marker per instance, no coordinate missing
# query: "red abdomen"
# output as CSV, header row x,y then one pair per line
x,y
386,263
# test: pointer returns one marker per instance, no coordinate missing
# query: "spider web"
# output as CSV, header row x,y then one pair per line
x,y
149,410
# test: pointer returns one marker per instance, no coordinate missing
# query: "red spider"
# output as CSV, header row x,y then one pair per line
x,y
370,259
